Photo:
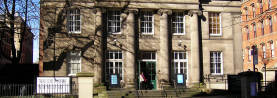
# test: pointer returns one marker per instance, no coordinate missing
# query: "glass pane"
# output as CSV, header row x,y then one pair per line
x,y
146,55
181,56
120,55
116,55
175,55
153,77
111,64
154,55
120,64
111,71
107,64
153,71
116,64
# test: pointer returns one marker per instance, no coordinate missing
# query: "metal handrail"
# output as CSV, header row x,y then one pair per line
x,y
174,87
163,91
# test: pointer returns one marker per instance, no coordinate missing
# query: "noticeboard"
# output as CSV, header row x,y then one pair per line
x,y
180,80
57,85
234,83
114,81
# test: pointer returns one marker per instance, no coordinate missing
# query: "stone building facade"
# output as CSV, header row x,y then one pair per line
x,y
161,38
259,29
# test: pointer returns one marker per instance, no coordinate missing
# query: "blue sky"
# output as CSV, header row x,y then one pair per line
x,y
35,26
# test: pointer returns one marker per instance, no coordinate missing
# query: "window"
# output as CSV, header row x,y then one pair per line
x,y
247,29
254,11
114,21
270,25
255,33
215,24
74,21
264,51
179,63
261,7
74,62
178,21
272,49
262,30
216,62
249,54
149,55
246,14
269,4
114,63
146,22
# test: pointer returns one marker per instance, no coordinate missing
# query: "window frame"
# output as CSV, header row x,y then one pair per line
x,y
221,62
114,60
74,20
254,11
220,25
270,25
120,21
179,61
261,7
269,4
249,55
183,22
272,49
247,30
264,51
246,14
262,27
69,62
152,22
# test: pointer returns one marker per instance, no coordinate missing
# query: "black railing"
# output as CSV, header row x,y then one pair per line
x,y
268,86
31,90
174,87
164,95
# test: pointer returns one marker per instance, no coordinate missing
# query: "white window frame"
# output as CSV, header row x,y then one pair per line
x,y
249,55
221,62
73,21
183,22
69,61
220,26
264,51
114,15
178,60
152,23
272,49
114,60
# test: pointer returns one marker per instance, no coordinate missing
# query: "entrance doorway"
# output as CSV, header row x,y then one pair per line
x,y
149,70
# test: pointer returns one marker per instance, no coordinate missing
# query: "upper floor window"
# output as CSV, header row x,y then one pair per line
x,y
146,22
247,29
214,23
272,49
216,63
264,51
178,21
74,21
262,27
270,25
249,54
261,7
246,14
74,62
255,33
269,4
254,11
114,23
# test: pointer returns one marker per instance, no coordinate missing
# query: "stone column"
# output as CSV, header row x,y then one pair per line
x,y
131,48
164,45
98,43
194,34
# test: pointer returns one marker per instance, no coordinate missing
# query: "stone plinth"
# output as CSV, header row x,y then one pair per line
x,y
85,82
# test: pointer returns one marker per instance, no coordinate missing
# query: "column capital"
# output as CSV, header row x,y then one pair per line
x,y
198,12
95,10
167,11
131,10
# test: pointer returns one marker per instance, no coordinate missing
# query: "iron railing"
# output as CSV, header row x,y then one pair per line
x,y
164,95
32,90
136,86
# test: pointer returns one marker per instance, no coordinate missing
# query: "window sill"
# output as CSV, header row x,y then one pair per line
x,y
179,34
115,33
71,75
147,33
216,35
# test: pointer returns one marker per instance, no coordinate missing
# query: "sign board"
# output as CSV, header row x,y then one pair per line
x,y
180,80
114,81
234,83
60,85
253,88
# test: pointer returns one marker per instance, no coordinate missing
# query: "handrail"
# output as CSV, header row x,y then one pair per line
x,y
136,86
163,91
174,87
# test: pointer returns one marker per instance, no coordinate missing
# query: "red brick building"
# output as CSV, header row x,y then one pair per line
x,y
27,44
259,28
